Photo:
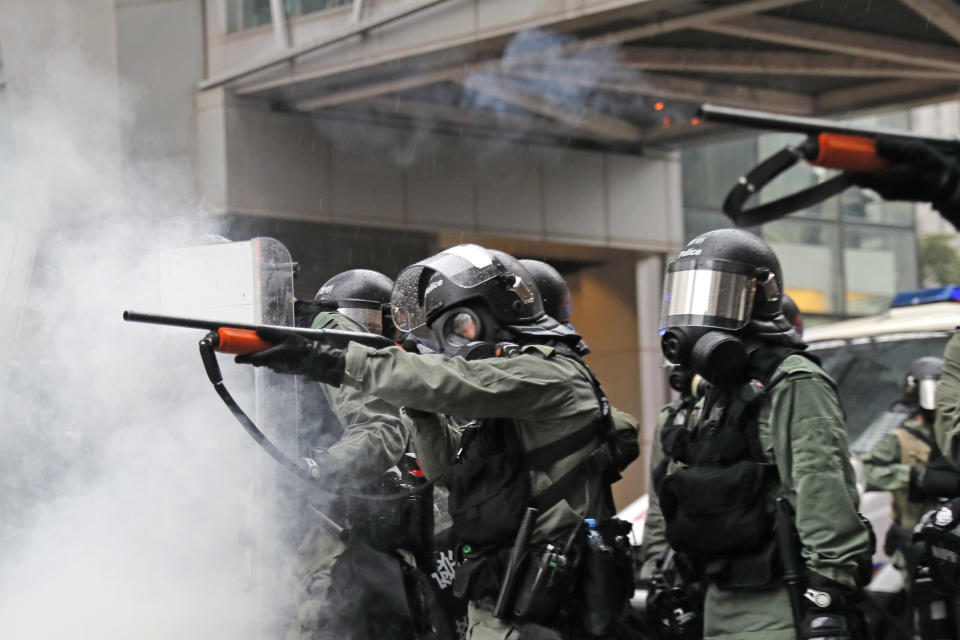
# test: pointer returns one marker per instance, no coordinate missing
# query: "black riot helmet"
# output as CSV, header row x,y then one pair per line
x,y
721,282
359,294
721,279
920,382
552,287
466,294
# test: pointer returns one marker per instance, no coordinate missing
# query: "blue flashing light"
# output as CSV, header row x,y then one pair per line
x,y
946,293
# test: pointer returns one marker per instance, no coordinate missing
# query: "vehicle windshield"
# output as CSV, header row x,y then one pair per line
x,y
869,372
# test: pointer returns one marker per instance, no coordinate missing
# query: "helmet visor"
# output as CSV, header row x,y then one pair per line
x,y
927,392
370,319
707,293
466,265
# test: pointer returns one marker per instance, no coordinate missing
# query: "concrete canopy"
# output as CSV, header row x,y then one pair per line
x,y
609,74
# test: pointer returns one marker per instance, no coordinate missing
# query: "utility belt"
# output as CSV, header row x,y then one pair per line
x,y
385,525
581,583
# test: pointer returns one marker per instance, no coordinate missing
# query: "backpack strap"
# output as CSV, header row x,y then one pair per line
x,y
762,377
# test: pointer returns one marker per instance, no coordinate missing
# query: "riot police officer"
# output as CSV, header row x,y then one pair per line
x,y
541,436
770,427
889,464
368,439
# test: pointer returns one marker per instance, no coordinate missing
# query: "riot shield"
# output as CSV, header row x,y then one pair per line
x,y
251,282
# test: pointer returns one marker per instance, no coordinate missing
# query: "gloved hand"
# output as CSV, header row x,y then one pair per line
x,y
829,609
933,481
919,173
318,463
293,354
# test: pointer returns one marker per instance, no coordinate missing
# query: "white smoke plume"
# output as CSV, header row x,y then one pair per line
x,y
125,485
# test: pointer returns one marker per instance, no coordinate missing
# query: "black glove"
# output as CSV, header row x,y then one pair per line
x,y
829,609
933,481
297,355
919,173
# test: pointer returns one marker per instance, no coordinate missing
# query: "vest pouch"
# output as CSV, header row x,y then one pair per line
x,y
718,510
489,488
757,570
385,525
544,587
599,594
479,578
616,534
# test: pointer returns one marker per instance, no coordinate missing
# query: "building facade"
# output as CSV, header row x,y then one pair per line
x,y
373,132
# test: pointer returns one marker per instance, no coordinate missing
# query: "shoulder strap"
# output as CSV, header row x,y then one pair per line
x,y
761,368
764,361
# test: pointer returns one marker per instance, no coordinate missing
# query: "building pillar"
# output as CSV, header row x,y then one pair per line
x,y
653,391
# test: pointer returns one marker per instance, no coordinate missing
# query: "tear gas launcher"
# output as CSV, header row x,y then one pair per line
x,y
241,339
829,144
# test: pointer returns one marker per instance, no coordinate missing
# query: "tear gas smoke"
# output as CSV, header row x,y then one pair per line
x,y
125,485
547,73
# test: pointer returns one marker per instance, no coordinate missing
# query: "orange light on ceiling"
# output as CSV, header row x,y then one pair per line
x,y
658,106
666,121
695,121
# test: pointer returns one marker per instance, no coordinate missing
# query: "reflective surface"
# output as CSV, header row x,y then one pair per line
x,y
466,265
250,14
704,297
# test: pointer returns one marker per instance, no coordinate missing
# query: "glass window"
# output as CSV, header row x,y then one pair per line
x,y
697,221
877,264
809,254
247,14
858,205
709,172
301,7
798,177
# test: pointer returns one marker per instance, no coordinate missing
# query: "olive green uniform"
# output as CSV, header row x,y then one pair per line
x,y
887,468
801,432
373,441
547,395
947,424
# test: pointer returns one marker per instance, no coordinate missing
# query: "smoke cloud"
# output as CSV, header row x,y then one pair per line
x,y
127,489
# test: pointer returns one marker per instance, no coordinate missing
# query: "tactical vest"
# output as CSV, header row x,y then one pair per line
x,y
915,448
490,481
719,505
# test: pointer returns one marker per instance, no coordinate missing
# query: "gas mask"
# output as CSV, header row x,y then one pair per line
x,y
717,356
466,332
